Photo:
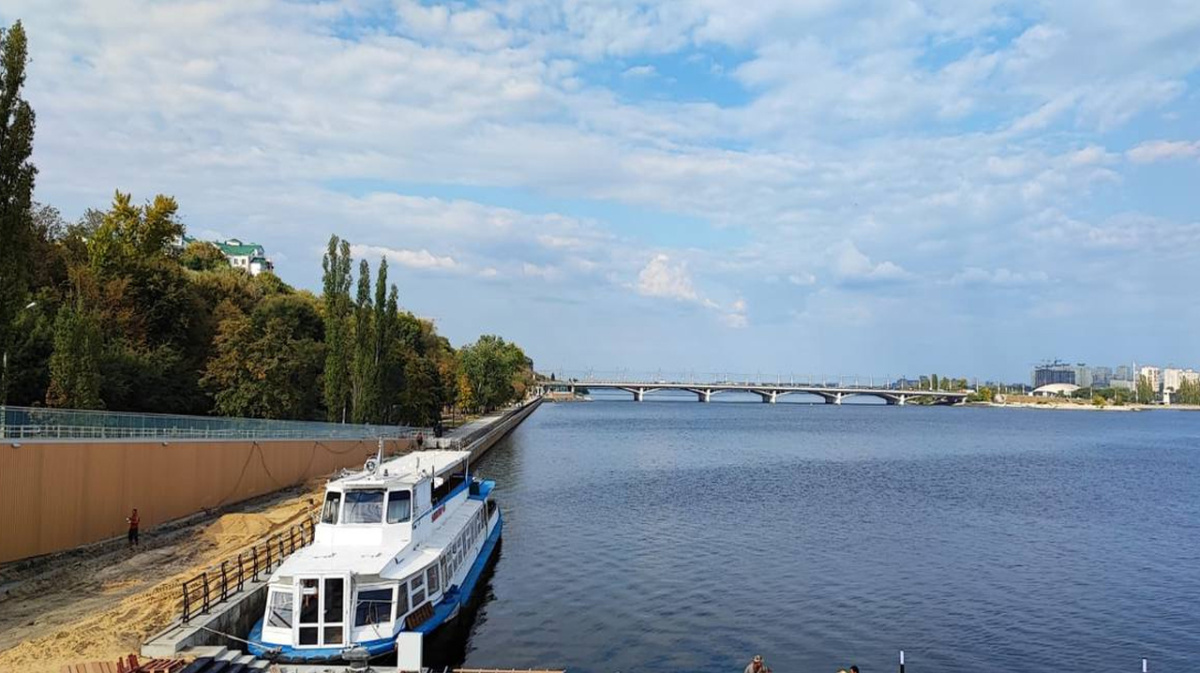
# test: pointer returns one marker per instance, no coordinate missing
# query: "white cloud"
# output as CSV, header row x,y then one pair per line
x,y
414,259
1163,150
802,279
852,266
735,315
1001,277
640,71
663,278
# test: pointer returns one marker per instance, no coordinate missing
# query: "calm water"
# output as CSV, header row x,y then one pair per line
x,y
676,536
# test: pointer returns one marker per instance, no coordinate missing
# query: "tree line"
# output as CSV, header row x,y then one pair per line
x,y
114,312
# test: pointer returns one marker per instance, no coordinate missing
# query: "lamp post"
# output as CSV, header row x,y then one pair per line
x,y
4,380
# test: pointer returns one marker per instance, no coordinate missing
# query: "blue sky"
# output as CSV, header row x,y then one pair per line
x,y
785,186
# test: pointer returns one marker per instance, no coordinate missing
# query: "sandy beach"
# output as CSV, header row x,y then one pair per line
x,y
101,602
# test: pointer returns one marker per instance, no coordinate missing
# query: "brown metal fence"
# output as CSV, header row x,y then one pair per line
x,y
215,585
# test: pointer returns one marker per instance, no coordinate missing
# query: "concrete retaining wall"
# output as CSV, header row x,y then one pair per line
x,y
58,495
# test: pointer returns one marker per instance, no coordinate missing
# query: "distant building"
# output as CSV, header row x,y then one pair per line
x,y
1122,384
1153,375
249,257
1054,372
1102,377
1173,378
1083,375
1056,390
1123,373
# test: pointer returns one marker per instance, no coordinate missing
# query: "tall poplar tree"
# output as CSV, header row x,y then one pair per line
x,y
382,333
75,361
363,379
16,186
336,264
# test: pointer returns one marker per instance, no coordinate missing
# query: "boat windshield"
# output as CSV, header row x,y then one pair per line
x,y
363,506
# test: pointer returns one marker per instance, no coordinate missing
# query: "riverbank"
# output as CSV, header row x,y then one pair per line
x,y
1027,402
104,601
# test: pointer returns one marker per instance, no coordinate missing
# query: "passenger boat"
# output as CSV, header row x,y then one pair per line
x,y
399,546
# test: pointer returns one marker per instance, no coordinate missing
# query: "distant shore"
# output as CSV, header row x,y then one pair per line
x,y
1087,406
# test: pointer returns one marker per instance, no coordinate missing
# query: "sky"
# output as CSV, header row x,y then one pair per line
x,y
769,188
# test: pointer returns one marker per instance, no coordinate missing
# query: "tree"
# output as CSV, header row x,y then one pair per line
x,y
1145,392
203,256
74,364
129,235
267,363
336,265
16,186
497,372
363,401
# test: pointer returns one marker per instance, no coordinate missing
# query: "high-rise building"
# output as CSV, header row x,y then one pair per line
x,y
1053,372
1172,378
1101,376
1083,375
1153,376
1123,373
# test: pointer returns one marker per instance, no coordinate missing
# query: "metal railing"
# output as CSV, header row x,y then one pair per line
x,y
215,585
32,423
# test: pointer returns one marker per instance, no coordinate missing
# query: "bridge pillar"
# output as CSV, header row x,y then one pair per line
x,y
705,395
838,399
639,394
903,399
768,396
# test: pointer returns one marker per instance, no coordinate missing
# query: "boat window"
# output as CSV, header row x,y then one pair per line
x,y
280,613
418,596
399,507
334,599
432,574
308,602
329,513
333,635
402,600
450,482
363,506
374,607
418,581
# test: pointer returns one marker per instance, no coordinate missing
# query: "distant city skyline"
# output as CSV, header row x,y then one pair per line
x,y
959,188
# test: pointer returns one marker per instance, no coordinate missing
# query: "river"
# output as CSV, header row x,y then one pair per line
x,y
677,536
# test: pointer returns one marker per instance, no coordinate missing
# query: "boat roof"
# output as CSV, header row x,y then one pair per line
x,y
404,470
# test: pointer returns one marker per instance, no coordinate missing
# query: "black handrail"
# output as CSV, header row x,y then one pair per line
x,y
217,584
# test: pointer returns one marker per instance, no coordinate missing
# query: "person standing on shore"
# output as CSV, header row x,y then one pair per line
x,y
134,521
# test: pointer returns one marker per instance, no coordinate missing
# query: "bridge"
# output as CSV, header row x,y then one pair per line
x,y
769,392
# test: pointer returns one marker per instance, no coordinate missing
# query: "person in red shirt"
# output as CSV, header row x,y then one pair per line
x,y
134,520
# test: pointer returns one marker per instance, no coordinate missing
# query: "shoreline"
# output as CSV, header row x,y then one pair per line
x,y
1085,406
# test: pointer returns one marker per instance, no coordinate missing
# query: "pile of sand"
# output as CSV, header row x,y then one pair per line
x,y
102,604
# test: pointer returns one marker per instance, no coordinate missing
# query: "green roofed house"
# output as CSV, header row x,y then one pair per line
x,y
247,256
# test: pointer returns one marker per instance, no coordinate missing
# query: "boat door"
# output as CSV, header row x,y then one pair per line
x,y
321,613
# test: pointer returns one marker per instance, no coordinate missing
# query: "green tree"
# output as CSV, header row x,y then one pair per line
x,y
268,362
203,256
363,399
336,264
129,235
1145,392
17,174
497,372
74,364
